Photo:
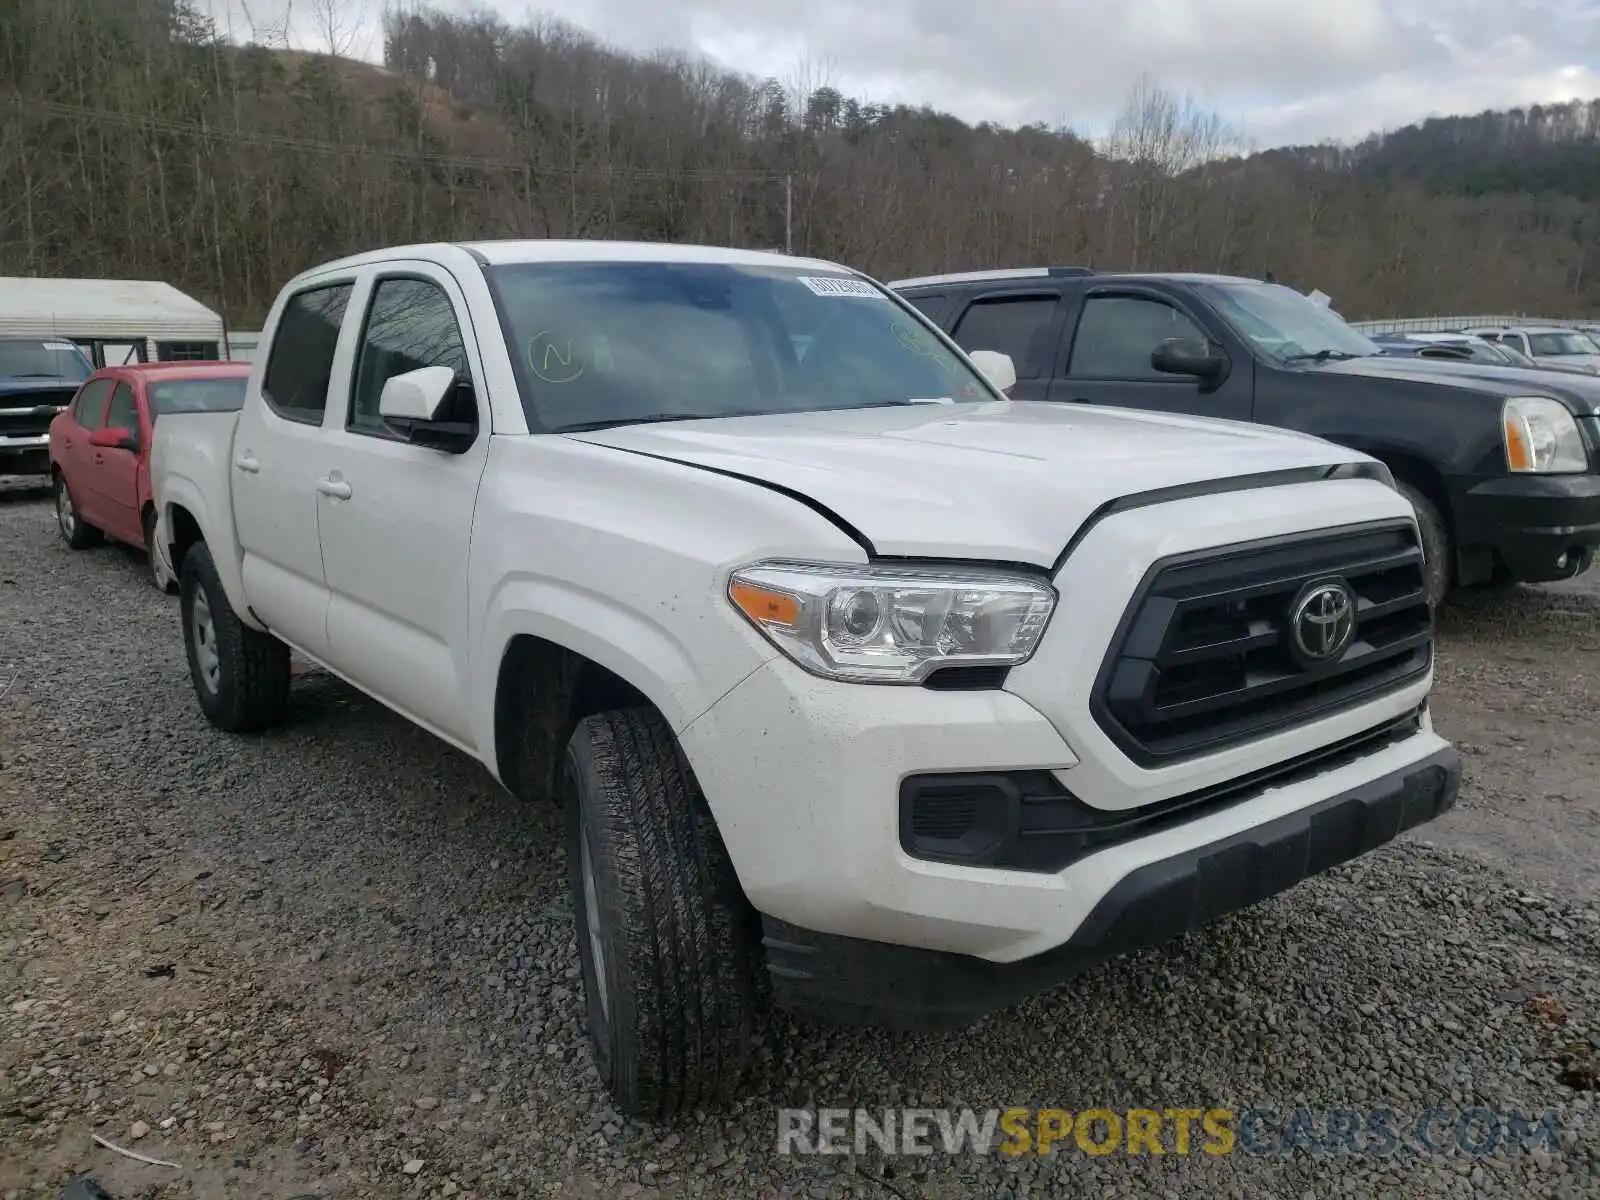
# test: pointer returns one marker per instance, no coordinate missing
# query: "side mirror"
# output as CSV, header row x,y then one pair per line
x,y
115,439
418,406
997,368
1190,356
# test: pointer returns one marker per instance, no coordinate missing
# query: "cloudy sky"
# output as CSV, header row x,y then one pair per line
x,y
1279,70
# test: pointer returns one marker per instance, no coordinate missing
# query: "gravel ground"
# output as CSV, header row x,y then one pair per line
x,y
335,961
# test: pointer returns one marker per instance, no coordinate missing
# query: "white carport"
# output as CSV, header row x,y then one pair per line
x,y
116,321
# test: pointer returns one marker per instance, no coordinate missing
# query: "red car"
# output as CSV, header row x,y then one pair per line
x,y
100,446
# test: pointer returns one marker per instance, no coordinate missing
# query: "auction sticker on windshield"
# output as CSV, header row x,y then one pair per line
x,y
824,285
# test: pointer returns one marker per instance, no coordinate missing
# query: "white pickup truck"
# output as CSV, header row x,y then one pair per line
x,y
868,691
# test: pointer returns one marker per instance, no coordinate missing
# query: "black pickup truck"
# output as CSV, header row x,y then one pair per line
x,y
1502,464
38,378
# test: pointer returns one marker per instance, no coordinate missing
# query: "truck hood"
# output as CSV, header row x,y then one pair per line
x,y
1580,392
1003,481
18,386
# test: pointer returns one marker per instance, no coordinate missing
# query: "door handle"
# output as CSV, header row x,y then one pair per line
x,y
247,463
337,488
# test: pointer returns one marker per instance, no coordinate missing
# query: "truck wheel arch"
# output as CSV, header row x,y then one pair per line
x,y
187,525
183,529
1425,479
542,690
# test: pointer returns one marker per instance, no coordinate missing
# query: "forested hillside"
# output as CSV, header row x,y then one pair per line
x,y
135,142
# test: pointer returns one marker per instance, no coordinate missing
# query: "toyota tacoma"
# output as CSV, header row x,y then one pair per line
x,y
868,692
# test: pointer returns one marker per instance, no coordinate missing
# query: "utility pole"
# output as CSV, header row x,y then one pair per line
x,y
788,214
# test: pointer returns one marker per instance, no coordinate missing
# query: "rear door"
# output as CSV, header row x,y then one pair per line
x,y
113,472
1024,323
280,452
1116,330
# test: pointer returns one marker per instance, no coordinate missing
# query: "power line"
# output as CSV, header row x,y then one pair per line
x,y
247,137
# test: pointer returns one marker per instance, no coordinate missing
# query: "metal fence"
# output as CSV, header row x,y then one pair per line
x,y
1451,324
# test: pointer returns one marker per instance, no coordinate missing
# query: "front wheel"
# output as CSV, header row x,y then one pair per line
x,y
75,531
666,940
240,675
1436,546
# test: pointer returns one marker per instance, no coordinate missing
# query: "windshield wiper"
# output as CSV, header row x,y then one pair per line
x,y
1322,356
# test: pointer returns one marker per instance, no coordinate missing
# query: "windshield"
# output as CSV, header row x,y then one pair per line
x,y
1554,345
608,343
196,395
20,359
1285,325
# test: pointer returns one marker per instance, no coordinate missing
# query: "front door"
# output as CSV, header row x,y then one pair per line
x,y
114,472
279,454
396,519
1109,360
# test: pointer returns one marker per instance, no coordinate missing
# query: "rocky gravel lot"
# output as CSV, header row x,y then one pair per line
x,y
336,962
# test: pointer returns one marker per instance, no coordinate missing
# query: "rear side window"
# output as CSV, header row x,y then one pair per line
x,y
196,396
89,409
124,413
1018,326
930,303
300,367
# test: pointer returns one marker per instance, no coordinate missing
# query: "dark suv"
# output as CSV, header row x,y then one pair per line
x,y
1502,465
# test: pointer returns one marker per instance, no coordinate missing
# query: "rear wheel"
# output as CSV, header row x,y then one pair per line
x,y
1436,546
157,576
240,675
666,939
75,531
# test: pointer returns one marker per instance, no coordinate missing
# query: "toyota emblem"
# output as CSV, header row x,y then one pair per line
x,y
1322,622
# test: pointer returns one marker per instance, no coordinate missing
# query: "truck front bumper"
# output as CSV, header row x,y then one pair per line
x,y
851,980
26,455
808,802
1538,527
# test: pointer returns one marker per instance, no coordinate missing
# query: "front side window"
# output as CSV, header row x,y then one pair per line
x,y
301,364
27,358
196,396
1017,326
1118,334
617,343
124,412
89,409
1284,325
411,324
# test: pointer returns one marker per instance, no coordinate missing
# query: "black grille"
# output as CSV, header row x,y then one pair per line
x,y
1204,657
28,414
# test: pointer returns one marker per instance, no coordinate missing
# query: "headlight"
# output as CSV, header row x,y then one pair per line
x,y
1542,437
871,624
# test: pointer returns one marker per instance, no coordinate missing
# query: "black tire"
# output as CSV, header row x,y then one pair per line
x,y
249,688
673,1028
75,531
152,560
1436,547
